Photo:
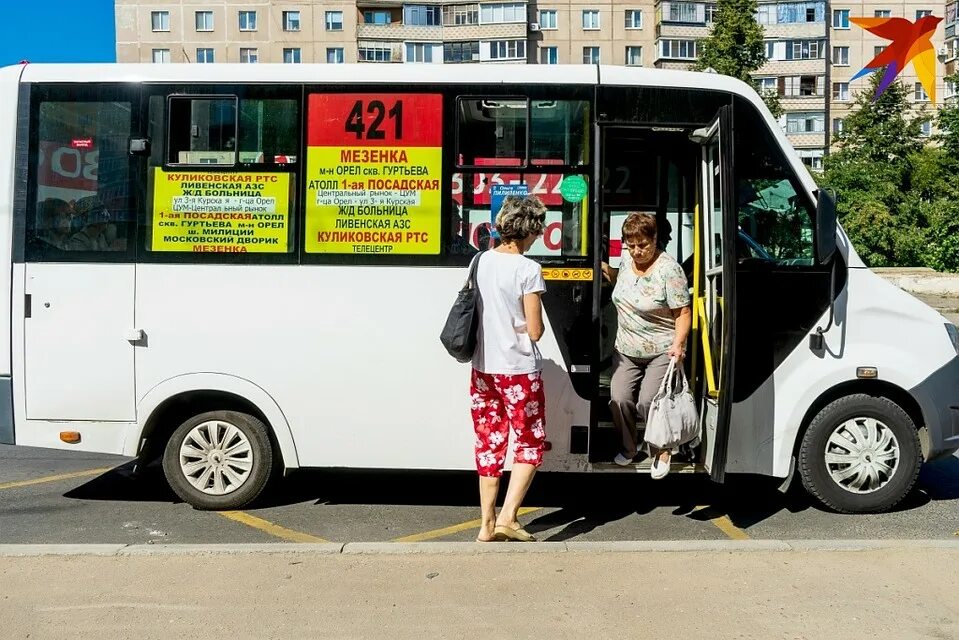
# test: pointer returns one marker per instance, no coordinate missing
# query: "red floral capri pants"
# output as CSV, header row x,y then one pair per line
x,y
500,402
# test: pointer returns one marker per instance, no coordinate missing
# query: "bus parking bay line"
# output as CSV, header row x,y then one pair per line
x,y
456,528
271,528
56,478
724,524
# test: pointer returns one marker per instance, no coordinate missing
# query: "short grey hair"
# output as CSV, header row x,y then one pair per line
x,y
519,217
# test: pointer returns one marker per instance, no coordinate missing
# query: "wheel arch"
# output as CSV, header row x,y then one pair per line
x,y
168,404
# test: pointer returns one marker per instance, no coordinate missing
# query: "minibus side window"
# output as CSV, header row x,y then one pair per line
x,y
80,177
775,215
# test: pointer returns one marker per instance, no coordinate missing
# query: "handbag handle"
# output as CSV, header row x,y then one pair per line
x,y
471,278
667,384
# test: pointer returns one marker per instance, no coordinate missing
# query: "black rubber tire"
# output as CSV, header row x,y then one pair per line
x,y
812,463
263,462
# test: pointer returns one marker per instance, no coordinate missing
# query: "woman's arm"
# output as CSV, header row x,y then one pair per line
x,y
684,321
609,272
533,306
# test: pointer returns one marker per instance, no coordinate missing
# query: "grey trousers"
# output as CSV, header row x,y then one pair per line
x,y
633,386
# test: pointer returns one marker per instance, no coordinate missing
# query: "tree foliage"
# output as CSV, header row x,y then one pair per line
x,y
894,194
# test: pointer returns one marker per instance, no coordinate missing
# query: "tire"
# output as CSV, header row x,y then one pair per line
x,y
233,480
867,436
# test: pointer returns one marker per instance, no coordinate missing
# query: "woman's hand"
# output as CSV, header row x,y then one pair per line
x,y
676,351
608,272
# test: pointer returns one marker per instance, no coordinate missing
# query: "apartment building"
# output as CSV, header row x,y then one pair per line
x,y
812,47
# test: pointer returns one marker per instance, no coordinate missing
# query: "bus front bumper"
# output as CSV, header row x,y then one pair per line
x,y
938,398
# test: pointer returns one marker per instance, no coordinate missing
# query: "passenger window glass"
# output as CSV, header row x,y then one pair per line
x,y
477,197
490,130
81,179
202,131
775,215
521,131
269,131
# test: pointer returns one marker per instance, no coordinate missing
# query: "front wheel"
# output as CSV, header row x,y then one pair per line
x,y
219,460
861,454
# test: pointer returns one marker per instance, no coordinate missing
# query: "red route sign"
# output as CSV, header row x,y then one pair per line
x,y
375,120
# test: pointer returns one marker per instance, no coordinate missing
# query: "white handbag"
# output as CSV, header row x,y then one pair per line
x,y
673,419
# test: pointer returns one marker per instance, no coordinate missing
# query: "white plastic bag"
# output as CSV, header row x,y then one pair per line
x,y
673,419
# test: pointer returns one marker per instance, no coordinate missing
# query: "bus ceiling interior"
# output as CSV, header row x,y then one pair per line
x,y
646,169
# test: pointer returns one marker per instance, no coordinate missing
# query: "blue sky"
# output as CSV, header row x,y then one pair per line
x,y
57,31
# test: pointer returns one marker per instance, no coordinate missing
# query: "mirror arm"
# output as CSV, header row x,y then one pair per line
x,y
816,340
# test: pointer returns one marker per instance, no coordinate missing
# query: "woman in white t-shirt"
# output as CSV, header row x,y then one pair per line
x,y
506,387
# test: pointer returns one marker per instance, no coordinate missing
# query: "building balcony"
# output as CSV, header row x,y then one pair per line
x,y
694,14
675,30
398,31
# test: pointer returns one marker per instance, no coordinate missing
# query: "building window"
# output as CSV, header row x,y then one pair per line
x,y
950,89
334,55
422,15
791,13
634,56
204,21
766,85
838,125
882,13
375,53
681,49
250,56
547,19
205,56
804,50
878,49
770,50
634,18
502,12
248,21
711,12
419,51
460,14
456,52
161,56
160,20
840,90
291,56
922,13
805,122
507,49
549,55
590,55
685,12
926,128
291,20
920,93
840,18
377,16
840,56
590,19
334,20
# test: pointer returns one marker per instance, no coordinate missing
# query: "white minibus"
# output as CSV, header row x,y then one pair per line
x,y
240,269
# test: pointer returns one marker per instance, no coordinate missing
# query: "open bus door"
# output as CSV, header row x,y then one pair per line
x,y
714,300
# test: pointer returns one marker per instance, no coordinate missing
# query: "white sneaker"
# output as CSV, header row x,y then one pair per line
x,y
622,460
659,469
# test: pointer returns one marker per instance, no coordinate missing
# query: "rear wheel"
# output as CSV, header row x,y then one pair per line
x,y
219,460
860,454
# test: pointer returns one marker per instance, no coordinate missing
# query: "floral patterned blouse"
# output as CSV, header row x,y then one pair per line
x,y
643,304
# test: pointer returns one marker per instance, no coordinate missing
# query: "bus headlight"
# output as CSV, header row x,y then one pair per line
x,y
953,335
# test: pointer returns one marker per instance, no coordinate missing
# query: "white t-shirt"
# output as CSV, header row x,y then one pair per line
x,y
502,344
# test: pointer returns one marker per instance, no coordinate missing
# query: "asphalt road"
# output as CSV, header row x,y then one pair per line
x,y
49,496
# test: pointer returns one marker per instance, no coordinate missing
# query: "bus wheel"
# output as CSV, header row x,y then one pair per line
x,y
860,454
219,460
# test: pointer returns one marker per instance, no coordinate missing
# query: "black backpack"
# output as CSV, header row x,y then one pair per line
x,y
459,333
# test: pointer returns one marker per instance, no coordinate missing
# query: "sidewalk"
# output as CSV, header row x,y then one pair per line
x,y
897,592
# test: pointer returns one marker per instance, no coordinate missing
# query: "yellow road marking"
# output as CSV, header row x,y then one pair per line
x,y
56,478
269,527
724,524
456,528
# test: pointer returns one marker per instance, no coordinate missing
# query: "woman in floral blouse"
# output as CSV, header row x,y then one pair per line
x,y
651,295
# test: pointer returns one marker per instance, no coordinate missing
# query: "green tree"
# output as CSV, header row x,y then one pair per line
x,y
885,181
949,124
735,46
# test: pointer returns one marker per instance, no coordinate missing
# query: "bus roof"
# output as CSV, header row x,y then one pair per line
x,y
389,73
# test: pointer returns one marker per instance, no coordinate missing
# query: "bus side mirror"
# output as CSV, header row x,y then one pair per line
x,y
825,226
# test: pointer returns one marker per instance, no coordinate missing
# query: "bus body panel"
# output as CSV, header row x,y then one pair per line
x,y
317,332
9,89
877,325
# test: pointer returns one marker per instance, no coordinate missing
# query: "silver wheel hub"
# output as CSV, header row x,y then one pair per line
x,y
216,457
862,455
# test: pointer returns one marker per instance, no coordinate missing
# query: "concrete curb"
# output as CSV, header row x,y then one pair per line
x,y
921,281
471,548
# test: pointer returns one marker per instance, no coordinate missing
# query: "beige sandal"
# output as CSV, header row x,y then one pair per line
x,y
502,532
